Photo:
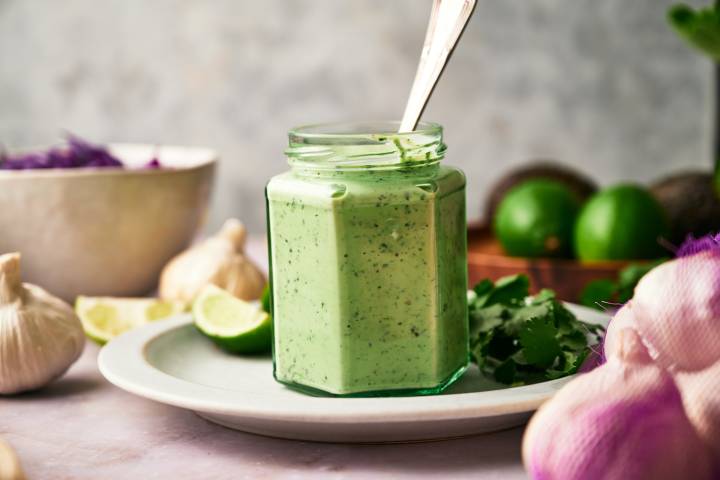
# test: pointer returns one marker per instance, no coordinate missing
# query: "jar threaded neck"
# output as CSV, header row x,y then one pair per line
x,y
364,146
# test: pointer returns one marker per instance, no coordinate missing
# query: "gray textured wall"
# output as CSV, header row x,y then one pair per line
x,y
603,85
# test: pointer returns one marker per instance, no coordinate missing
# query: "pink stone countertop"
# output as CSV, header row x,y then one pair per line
x,y
82,427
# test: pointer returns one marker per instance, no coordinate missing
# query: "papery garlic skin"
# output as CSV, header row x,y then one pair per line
x,y
40,335
623,420
220,260
677,310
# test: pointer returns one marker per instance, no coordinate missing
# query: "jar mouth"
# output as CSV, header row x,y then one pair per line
x,y
364,145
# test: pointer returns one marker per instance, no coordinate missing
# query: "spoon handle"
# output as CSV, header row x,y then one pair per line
x,y
447,22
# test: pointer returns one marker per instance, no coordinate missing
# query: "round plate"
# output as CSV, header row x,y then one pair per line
x,y
171,362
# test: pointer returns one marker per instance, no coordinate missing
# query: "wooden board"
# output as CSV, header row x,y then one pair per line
x,y
567,277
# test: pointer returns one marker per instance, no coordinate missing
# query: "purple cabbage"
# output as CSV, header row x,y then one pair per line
x,y
693,245
153,164
78,153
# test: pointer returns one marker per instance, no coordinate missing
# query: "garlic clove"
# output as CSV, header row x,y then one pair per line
x,y
624,419
11,288
220,261
242,278
622,319
677,309
234,232
40,335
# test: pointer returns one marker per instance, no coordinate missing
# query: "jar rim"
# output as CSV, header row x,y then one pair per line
x,y
361,129
364,145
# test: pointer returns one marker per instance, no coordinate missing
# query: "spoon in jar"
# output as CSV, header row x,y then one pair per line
x,y
447,22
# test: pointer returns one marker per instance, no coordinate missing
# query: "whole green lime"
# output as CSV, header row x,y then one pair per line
x,y
623,222
536,219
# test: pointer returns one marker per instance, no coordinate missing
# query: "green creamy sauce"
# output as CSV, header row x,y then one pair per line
x,y
369,279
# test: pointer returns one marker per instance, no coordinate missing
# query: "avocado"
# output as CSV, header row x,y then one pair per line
x,y
580,185
691,203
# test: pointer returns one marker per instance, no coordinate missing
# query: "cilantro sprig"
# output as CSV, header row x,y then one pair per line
x,y
518,339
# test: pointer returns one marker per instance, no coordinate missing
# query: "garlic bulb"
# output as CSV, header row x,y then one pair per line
x,y
40,335
624,419
219,260
9,464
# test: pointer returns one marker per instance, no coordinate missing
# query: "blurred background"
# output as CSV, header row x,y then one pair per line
x,y
604,86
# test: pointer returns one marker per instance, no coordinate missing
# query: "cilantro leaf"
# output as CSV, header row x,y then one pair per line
x,y
478,348
506,290
484,287
570,364
574,340
543,296
486,319
539,343
524,313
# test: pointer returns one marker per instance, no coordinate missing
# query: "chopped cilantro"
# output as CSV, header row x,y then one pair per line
x,y
519,339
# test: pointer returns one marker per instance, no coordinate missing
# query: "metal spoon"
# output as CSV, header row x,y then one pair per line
x,y
447,22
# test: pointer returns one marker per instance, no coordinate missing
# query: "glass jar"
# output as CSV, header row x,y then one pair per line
x,y
368,262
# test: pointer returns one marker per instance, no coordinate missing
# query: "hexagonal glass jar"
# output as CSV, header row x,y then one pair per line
x,y
368,262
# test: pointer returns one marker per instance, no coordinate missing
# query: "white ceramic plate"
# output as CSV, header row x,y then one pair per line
x,y
170,362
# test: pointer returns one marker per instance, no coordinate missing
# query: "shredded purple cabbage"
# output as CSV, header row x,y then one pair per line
x,y
78,153
693,245
153,164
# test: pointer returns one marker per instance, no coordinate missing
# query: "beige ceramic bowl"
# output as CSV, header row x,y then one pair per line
x,y
105,231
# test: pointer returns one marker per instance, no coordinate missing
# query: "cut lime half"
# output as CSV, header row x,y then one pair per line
x,y
104,318
233,324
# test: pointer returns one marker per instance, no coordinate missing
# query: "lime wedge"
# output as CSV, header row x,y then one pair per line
x,y
104,318
265,299
233,324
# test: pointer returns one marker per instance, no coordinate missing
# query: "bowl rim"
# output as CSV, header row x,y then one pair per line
x,y
211,158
